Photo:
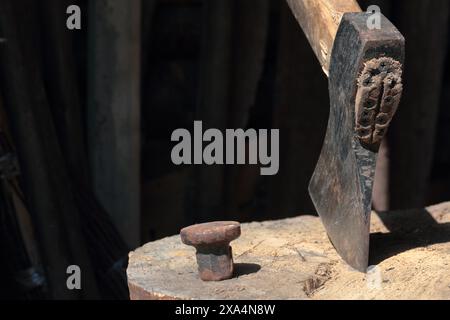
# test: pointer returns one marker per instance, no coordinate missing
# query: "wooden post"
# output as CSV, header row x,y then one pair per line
x,y
113,113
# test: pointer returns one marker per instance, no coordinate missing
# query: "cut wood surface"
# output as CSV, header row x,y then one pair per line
x,y
293,259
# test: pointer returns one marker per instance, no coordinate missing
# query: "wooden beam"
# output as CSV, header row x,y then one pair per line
x,y
113,113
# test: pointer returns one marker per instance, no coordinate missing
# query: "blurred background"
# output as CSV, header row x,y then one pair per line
x,y
86,118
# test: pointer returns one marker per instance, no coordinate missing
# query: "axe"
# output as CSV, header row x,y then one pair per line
x,y
364,67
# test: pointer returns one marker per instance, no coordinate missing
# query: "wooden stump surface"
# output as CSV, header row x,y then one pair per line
x,y
293,259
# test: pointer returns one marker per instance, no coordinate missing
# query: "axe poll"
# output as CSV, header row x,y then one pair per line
x,y
364,67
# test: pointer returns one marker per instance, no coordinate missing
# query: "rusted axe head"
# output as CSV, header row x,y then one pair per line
x,y
365,85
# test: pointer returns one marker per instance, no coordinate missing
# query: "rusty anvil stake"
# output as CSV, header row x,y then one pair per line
x,y
365,84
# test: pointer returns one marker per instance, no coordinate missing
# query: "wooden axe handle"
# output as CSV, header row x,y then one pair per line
x,y
320,20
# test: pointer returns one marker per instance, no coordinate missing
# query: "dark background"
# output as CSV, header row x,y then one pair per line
x,y
88,114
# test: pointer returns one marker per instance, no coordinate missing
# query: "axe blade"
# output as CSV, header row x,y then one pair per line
x,y
365,89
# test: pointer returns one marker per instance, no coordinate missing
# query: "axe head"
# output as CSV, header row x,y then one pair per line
x,y
365,88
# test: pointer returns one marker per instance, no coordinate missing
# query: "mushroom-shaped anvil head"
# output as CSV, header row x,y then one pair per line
x,y
211,233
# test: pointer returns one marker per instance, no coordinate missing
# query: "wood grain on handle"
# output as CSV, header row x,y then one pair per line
x,y
320,20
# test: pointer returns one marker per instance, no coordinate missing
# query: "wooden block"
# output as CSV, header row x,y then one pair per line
x,y
293,259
